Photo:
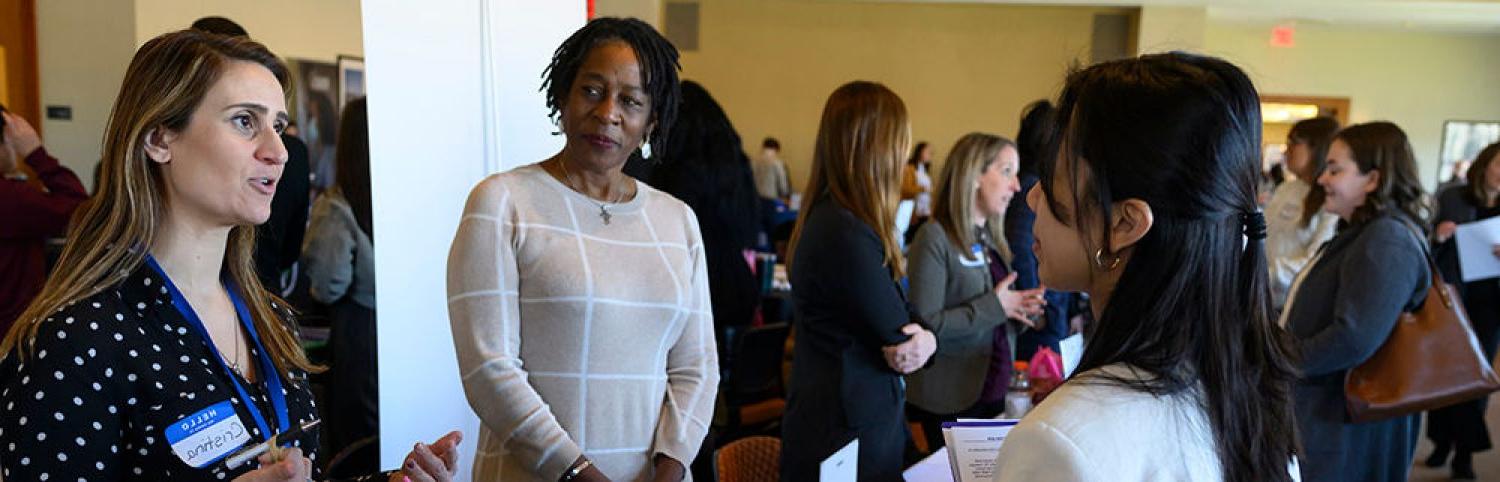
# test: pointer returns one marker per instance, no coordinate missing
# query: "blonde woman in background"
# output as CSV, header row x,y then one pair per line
x,y
961,286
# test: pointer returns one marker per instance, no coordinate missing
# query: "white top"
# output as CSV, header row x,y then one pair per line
x,y
924,200
579,337
770,177
1096,430
1092,429
1289,244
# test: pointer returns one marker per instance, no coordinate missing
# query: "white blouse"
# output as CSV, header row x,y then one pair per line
x,y
1289,244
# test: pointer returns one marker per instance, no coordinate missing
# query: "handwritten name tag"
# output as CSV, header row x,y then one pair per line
x,y
208,435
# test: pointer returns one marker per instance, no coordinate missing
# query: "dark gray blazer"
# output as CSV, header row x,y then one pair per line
x,y
953,293
1343,310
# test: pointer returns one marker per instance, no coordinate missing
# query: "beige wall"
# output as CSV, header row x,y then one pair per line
x,y
82,51
1163,29
1415,79
300,29
648,11
960,68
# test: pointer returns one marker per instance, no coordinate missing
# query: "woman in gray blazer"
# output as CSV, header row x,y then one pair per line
x,y
961,286
1344,305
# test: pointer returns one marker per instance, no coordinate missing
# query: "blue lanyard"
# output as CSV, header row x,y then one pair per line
x,y
267,368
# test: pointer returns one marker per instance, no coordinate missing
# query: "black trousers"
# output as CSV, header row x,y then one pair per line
x,y
1462,425
353,410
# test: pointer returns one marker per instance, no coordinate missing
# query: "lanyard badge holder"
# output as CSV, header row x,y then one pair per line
x,y
267,367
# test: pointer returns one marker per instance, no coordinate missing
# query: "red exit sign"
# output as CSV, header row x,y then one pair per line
x,y
1284,36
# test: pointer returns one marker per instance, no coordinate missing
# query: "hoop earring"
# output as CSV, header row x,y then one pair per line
x,y
1099,260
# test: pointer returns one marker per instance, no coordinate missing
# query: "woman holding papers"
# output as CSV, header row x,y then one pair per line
x,y
1185,376
1345,303
855,334
961,285
153,352
1460,428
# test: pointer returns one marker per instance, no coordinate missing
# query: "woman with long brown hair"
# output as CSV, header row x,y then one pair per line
x,y
1343,306
855,336
153,352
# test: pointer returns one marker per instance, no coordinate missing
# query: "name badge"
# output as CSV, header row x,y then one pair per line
x,y
208,435
976,257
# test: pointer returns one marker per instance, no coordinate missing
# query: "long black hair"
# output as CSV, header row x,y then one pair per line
x,y
1192,306
658,61
1035,136
707,168
352,158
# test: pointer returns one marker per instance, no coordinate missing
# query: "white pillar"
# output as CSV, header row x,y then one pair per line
x,y
453,97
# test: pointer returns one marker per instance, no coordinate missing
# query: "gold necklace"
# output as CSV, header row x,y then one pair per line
x,y
603,208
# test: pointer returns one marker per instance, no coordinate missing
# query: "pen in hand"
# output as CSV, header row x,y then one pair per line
x,y
239,458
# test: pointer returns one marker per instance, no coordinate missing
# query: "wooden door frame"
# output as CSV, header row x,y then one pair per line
x,y
1338,105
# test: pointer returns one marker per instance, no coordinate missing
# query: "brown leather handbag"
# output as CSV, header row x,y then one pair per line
x,y
1431,360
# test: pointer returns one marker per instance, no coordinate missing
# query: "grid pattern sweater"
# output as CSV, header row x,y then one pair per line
x,y
577,337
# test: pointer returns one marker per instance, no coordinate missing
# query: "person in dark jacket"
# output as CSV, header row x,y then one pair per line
x,y
1344,305
1460,428
707,169
1057,316
36,208
855,334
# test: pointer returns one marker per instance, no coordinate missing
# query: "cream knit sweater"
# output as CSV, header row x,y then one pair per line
x,y
579,337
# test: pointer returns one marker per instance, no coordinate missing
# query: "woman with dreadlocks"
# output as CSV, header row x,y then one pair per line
x,y
579,297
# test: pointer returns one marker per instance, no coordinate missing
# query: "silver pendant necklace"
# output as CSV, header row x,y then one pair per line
x,y
604,214
234,363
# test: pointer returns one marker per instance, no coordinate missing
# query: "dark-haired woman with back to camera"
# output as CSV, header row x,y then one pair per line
x,y
855,334
578,297
154,353
710,172
1185,377
1461,428
1063,312
1343,306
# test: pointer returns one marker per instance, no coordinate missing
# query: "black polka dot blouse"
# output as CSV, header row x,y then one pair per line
x,y
106,376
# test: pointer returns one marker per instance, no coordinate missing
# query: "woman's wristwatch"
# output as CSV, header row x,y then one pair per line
x,y
576,470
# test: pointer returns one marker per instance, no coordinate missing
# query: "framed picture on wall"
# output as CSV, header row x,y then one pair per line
x,y
1462,140
351,79
317,85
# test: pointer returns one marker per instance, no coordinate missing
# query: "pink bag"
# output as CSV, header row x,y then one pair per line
x,y
1045,372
